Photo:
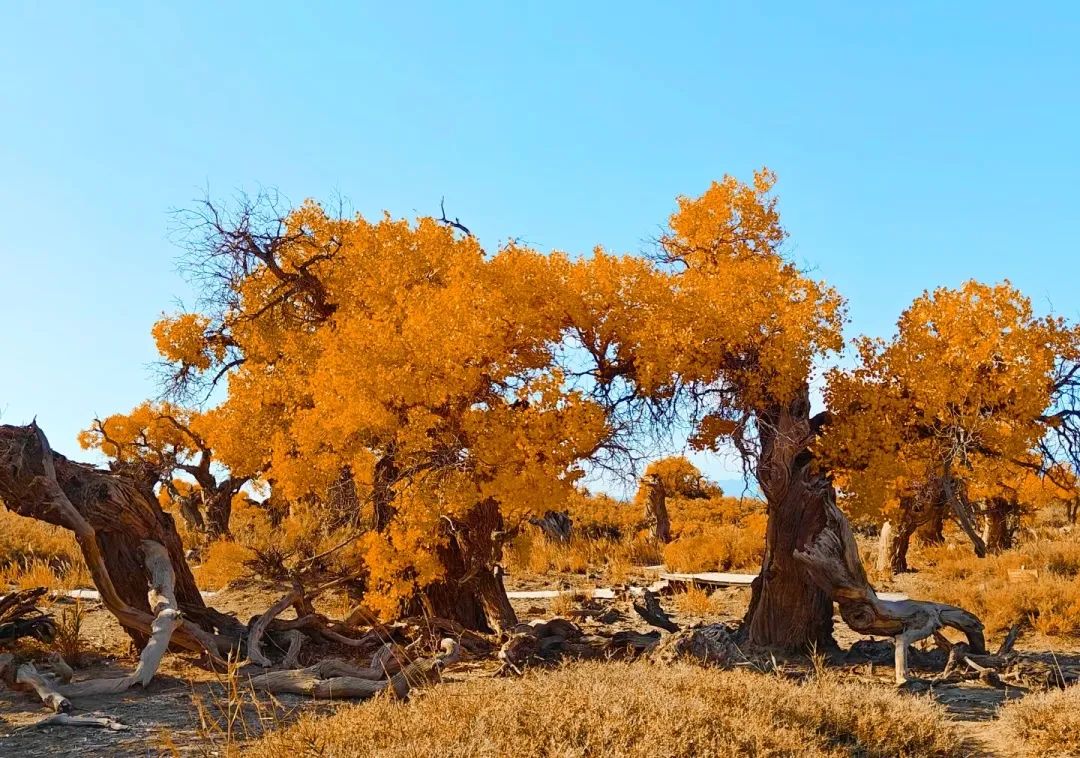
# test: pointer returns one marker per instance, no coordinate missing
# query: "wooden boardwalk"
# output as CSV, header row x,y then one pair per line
x,y
665,579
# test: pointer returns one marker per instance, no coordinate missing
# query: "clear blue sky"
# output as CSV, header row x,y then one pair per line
x,y
916,146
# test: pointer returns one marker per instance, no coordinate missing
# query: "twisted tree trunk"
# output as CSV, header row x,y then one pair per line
x,y
933,531
811,558
656,514
111,517
787,609
999,531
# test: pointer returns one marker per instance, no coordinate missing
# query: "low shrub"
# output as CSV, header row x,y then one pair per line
x,y
1047,723
619,709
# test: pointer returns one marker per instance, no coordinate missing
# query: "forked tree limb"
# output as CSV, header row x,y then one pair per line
x,y
258,628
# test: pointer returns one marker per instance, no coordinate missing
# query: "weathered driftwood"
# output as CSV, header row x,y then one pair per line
x,y
95,722
334,679
27,676
60,667
713,645
651,610
20,616
832,561
258,628
166,620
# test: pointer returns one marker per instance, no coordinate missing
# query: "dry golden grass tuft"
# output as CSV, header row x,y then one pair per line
x,y
695,602
1050,603
531,552
35,554
1047,723
719,548
619,709
224,561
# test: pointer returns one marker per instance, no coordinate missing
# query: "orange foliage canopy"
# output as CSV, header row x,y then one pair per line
x,y
437,377
966,389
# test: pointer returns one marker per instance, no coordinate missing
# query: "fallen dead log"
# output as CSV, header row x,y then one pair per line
x,y
27,676
20,616
96,722
335,680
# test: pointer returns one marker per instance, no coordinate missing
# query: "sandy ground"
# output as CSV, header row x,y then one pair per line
x,y
163,719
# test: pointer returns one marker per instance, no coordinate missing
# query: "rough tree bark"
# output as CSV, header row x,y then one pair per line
x,y
933,531
999,530
656,515
902,541
811,559
787,609
111,517
472,593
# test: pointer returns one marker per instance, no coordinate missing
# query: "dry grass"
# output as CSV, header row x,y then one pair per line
x,y
719,548
695,602
36,554
618,709
532,553
1051,604
224,561
1047,723
69,639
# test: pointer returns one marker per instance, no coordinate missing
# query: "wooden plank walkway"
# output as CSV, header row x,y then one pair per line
x,y
705,578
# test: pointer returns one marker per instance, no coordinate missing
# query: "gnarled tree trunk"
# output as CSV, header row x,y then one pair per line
x,y
111,517
811,559
656,515
933,531
898,554
999,530
787,609
472,593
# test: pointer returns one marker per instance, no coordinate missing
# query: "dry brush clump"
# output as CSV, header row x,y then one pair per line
x,y
1047,723
35,554
1043,588
609,709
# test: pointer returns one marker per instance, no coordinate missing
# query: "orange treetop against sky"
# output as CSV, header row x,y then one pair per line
x,y
919,145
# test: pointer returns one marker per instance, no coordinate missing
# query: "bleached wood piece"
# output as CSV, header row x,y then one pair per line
x,y
323,681
254,651
97,722
162,597
28,676
296,641
60,667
